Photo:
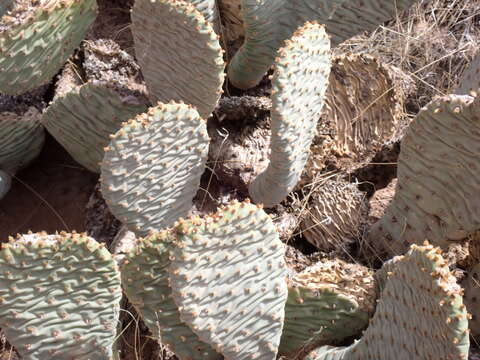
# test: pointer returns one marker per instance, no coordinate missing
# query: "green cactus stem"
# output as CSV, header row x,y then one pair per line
x,y
184,64
228,277
59,297
152,168
269,23
36,40
420,314
146,282
298,88
327,303
437,194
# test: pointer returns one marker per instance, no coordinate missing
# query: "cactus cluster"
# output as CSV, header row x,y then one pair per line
x,y
217,285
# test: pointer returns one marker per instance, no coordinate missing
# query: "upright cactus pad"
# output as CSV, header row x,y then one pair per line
x,y
146,282
152,167
179,53
21,139
327,303
299,84
268,23
35,42
437,195
420,314
83,120
59,297
470,80
228,277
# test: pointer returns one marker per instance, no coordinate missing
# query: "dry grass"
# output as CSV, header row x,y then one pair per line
x,y
433,42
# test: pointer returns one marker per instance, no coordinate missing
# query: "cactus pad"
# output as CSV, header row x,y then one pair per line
x,y
363,112
268,23
152,167
207,8
35,43
420,314
327,303
228,277
146,282
21,139
83,120
179,53
59,297
471,285
298,87
437,195
335,215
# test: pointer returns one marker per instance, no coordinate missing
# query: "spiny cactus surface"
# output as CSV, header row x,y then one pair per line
x,y
335,216
298,87
179,53
437,195
37,40
268,23
146,282
21,139
59,297
152,167
83,120
228,277
420,314
327,303
471,284
207,8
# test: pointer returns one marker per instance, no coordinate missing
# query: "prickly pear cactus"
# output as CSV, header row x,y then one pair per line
x,y
37,38
327,303
59,297
174,35
363,112
21,139
437,195
83,120
470,80
420,314
152,167
334,216
228,277
298,87
269,23
207,8
146,282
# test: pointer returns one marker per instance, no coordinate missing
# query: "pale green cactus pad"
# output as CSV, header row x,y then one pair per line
x,y
34,44
59,297
420,314
146,282
470,80
228,277
179,53
207,8
5,183
298,89
152,167
327,303
269,23
21,139
437,195
83,120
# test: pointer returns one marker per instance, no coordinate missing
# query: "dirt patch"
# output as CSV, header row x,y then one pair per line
x,y
49,195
